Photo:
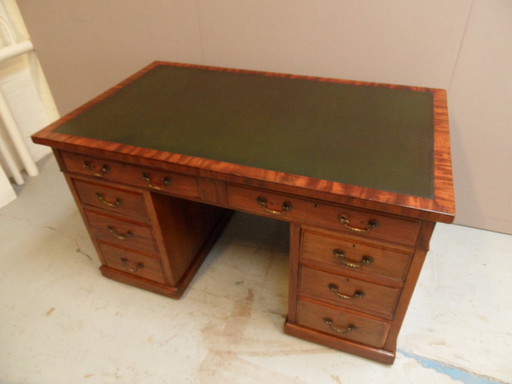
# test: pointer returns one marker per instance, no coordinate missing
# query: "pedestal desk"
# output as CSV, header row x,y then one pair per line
x,y
361,171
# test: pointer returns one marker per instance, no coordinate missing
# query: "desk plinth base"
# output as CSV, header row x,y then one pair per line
x,y
376,354
139,282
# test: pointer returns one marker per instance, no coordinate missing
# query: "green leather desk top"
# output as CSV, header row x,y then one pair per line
x,y
376,137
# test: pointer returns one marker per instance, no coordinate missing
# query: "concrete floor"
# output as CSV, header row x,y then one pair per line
x,y
62,322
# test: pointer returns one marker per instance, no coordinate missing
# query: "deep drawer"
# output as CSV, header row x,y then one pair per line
x,y
121,232
340,218
343,254
131,262
156,180
346,325
347,292
113,199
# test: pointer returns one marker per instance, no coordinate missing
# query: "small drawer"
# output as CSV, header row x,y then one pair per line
x,y
155,180
346,325
88,166
113,199
162,181
351,255
347,292
121,232
340,218
131,262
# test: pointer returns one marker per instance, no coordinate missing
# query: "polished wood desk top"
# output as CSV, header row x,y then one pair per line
x,y
378,146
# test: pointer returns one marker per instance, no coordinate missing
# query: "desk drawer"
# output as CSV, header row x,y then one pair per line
x,y
346,325
347,292
341,218
121,232
156,180
343,255
113,199
131,262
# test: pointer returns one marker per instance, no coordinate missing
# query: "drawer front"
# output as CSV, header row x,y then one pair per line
x,y
156,180
131,262
123,233
350,255
341,218
342,324
347,292
113,199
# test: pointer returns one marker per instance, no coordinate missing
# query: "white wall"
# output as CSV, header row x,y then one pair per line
x,y
481,118
460,45
23,83
27,105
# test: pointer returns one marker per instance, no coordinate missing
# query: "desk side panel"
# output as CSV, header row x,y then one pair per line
x,y
186,230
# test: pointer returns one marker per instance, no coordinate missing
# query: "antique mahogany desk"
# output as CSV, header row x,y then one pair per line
x,y
361,171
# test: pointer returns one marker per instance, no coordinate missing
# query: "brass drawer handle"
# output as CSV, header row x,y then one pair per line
x,y
138,267
334,288
340,331
146,176
104,170
340,255
372,224
119,235
101,197
285,208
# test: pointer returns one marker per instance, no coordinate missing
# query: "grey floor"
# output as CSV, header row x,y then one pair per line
x,y
62,322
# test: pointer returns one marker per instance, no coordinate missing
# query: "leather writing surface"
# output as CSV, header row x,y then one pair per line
x,y
376,137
